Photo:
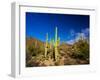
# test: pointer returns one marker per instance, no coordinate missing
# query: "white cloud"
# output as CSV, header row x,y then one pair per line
x,y
84,34
86,31
80,35
71,41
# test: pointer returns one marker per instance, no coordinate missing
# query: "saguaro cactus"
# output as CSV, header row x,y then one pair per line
x,y
54,42
56,45
46,45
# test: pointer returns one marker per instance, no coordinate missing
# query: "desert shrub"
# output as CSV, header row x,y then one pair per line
x,y
81,49
32,63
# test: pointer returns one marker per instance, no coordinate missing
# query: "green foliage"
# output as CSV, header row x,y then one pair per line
x,y
81,49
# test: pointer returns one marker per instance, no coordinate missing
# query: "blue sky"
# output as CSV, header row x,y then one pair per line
x,y
69,26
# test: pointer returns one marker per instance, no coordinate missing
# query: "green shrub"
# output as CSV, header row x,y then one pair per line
x,y
81,49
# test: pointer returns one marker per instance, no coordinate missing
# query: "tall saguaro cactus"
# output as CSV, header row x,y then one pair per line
x,y
46,45
56,44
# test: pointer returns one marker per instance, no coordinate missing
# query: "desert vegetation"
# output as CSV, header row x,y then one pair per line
x,y
52,53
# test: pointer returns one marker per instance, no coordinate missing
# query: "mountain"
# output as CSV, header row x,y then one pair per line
x,y
35,42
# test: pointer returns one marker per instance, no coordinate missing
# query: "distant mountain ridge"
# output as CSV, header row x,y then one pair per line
x,y
34,41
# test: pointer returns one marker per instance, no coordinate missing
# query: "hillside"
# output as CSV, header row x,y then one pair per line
x,y
33,41
77,53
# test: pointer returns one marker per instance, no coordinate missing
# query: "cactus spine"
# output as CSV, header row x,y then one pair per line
x,y
46,45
